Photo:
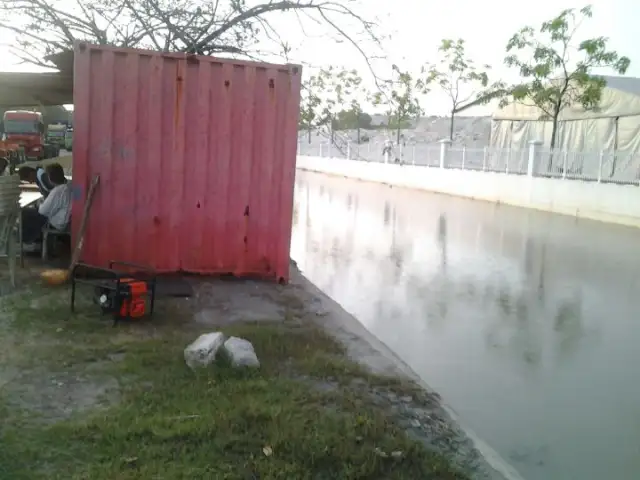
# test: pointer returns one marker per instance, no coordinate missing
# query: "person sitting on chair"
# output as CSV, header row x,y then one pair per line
x,y
38,176
55,209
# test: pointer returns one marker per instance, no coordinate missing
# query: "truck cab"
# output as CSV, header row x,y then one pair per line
x,y
26,129
55,134
68,139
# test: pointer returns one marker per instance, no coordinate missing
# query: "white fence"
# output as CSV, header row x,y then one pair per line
x,y
603,167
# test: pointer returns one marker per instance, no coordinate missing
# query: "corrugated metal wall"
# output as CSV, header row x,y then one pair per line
x,y
196,157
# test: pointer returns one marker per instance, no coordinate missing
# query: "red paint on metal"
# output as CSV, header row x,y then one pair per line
x,y
196,157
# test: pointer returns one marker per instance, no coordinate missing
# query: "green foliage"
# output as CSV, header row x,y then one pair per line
x,y
352,119
140,413
454,72
341,90
309,104
399,96
331,99
556,69
398,124
464,83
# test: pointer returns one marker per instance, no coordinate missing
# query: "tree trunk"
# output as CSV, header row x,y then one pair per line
x,y
552,146
358,135
398,135
451,127
309,135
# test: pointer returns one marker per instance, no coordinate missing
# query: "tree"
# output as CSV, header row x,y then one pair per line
x,y
352,119
557,70
242,28
310,102
398,95
338,89
325,98
464,83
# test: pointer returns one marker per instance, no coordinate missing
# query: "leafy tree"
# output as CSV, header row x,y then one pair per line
x,y
399,97
557,70
241,28
339,89
465,84
353,119
310,103
331,99
364,120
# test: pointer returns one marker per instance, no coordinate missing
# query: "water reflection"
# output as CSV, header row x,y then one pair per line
x,y
525,322
442,239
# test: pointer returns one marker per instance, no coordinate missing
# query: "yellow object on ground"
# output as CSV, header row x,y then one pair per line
x,y
55,277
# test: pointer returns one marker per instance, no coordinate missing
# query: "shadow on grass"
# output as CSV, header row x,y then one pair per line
x,y
219,423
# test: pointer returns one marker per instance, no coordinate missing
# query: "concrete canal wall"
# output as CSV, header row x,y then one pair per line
x,y
597,201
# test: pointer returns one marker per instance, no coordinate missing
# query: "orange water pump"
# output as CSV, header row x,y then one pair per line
x,y
118,292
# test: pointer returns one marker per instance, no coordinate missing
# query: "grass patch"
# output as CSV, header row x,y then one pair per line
x,y
222,423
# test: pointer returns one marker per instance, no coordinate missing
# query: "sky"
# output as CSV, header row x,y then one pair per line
x,y
417,26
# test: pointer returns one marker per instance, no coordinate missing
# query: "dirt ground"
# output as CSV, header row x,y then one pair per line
x,y
67,377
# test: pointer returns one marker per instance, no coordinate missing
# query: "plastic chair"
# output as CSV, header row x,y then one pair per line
x,y
47,231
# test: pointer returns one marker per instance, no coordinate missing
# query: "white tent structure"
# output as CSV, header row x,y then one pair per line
x,y
613,126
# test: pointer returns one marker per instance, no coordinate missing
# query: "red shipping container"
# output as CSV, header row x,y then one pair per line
x,y
196,157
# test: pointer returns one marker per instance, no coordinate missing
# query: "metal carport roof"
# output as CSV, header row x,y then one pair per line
x,y
27,88
19,89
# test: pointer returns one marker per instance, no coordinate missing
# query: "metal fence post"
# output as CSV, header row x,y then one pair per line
x,y
565,162
464,155
413,155
600,162
484,159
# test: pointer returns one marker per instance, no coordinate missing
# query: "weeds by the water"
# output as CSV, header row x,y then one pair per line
x,y
294,418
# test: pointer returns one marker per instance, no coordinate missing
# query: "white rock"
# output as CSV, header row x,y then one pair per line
x,y
241,352
203,351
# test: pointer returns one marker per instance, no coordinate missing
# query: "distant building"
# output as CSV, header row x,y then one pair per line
x,y
615,125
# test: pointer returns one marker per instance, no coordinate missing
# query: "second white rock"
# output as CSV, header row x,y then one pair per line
x,y
241,352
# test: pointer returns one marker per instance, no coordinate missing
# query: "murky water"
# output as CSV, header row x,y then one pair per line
x,y
527,323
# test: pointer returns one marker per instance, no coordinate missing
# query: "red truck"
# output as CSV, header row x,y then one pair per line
x,y
26,129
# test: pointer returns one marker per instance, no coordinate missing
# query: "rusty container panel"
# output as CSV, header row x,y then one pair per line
x,y
196,157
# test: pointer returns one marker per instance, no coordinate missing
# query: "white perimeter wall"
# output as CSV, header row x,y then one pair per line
x,y
597,201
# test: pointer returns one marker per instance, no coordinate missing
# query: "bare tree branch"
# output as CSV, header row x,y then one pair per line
x,y
240,28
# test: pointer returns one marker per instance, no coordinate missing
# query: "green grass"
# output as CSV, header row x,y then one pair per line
x,y
221,423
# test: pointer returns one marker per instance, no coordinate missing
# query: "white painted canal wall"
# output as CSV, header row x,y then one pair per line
x,y
597,201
